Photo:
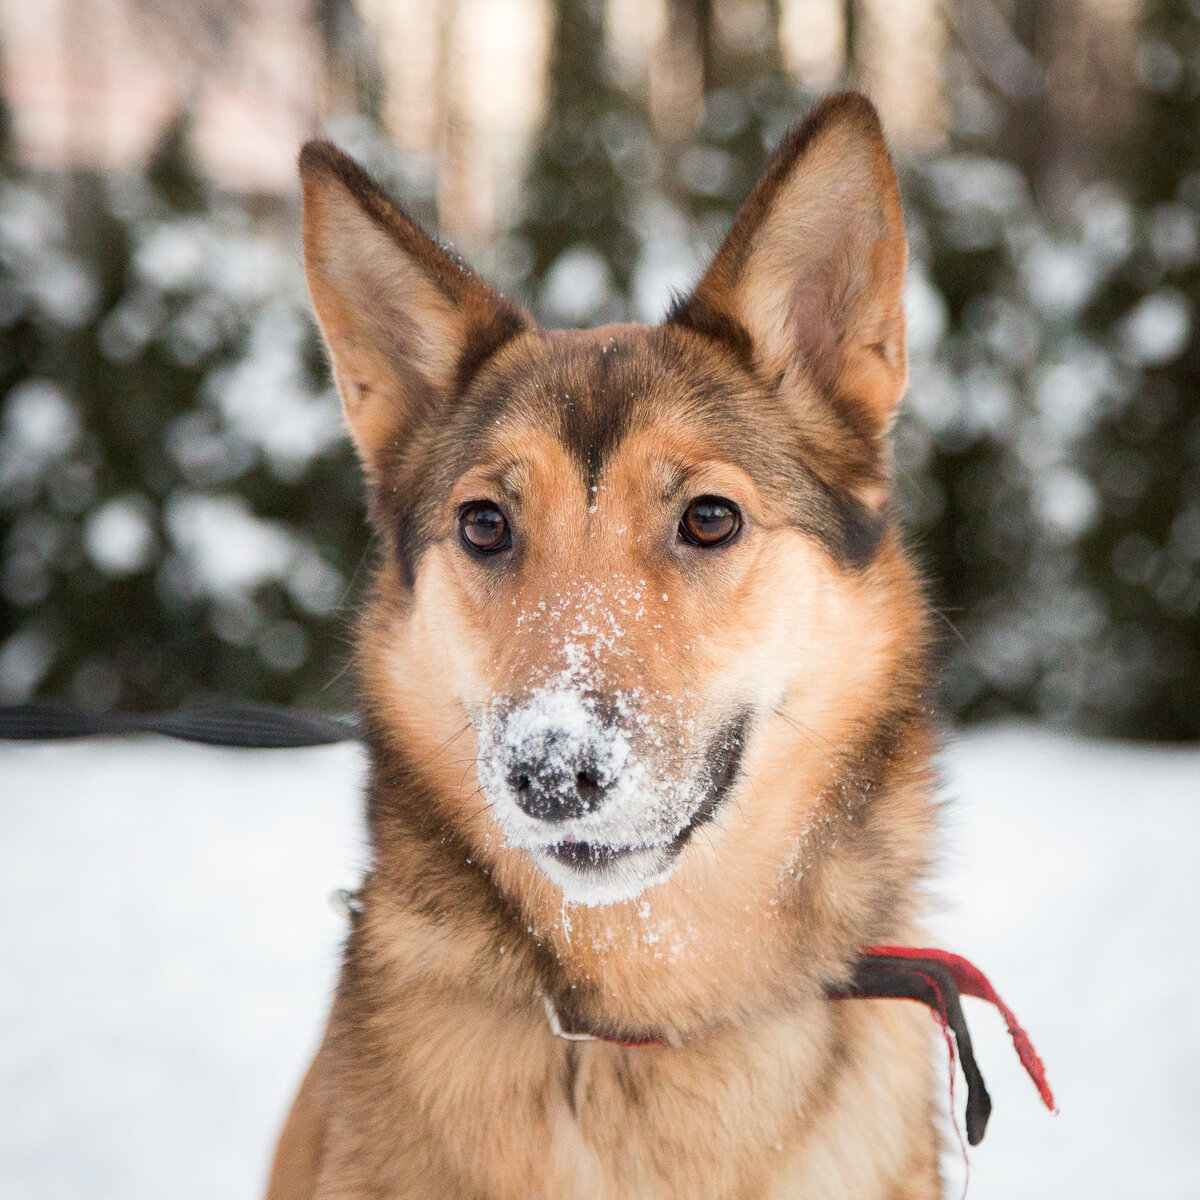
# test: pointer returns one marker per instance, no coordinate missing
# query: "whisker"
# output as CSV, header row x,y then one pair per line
x,y
470,762
452,738
805,731
945,619
487,804
846,773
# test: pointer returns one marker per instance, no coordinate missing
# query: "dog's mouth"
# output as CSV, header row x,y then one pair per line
x,y
603,871
587,856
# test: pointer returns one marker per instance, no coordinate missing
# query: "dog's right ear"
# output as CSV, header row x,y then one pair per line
x,y
406,324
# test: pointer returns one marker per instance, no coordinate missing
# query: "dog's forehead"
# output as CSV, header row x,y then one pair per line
x,y
591,389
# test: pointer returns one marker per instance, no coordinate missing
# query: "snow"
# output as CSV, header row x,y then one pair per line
x,y
228,551
577,285
168,952
266,401
119,535
24,660
1156,330
39,425
1072,883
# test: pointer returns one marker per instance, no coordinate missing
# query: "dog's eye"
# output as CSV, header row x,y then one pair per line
x,y
484,528
710,521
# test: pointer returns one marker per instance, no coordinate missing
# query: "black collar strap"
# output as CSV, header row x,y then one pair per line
x,y
925,980
936,978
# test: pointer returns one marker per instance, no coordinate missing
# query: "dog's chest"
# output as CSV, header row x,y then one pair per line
x,y
517,1113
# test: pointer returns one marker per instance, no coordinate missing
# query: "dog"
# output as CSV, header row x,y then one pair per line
x,y
645,683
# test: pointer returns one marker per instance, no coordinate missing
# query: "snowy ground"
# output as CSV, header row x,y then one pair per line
x,y
167,950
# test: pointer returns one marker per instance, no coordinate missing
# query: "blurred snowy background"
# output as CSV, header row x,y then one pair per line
x,y
181,518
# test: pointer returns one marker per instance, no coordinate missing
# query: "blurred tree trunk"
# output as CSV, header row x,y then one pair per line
x,y
1058,74
702,22
578,217
354,77
748,99
852,37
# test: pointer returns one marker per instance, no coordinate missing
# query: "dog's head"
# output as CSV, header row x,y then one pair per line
x,y
637,565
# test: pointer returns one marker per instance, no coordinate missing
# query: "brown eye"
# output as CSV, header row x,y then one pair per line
x,y
709,521
484,528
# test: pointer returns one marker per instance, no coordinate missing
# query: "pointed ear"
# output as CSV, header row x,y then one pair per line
x,y
811,274
406,324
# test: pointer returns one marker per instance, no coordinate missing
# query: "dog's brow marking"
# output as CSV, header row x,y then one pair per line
x,y
676,479
510,479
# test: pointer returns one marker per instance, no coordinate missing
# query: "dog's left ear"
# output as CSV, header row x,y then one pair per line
x,y
812,272
406,324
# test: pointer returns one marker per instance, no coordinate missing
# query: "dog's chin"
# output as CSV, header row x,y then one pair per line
x,y
594,875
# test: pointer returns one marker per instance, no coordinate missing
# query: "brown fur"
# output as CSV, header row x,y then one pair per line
x,y
773,385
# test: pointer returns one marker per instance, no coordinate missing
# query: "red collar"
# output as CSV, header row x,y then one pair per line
x,y
935,978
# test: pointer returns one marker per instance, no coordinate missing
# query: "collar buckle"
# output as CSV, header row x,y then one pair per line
x,y
556,1025
669,1038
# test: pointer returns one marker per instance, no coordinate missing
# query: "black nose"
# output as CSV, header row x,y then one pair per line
x,y
558,786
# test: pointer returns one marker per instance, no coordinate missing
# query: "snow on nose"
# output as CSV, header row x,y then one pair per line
x,y
561,755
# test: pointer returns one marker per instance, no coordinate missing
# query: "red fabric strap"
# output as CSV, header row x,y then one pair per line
x,y
971,981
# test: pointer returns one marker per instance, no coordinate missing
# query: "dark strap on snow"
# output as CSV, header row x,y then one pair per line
x,y
248,726
927,981
936,978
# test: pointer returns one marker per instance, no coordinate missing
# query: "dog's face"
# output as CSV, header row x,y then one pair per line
x,y
624,559
591,547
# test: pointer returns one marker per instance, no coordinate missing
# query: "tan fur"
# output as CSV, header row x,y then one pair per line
x,y
439,1075
302,1141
